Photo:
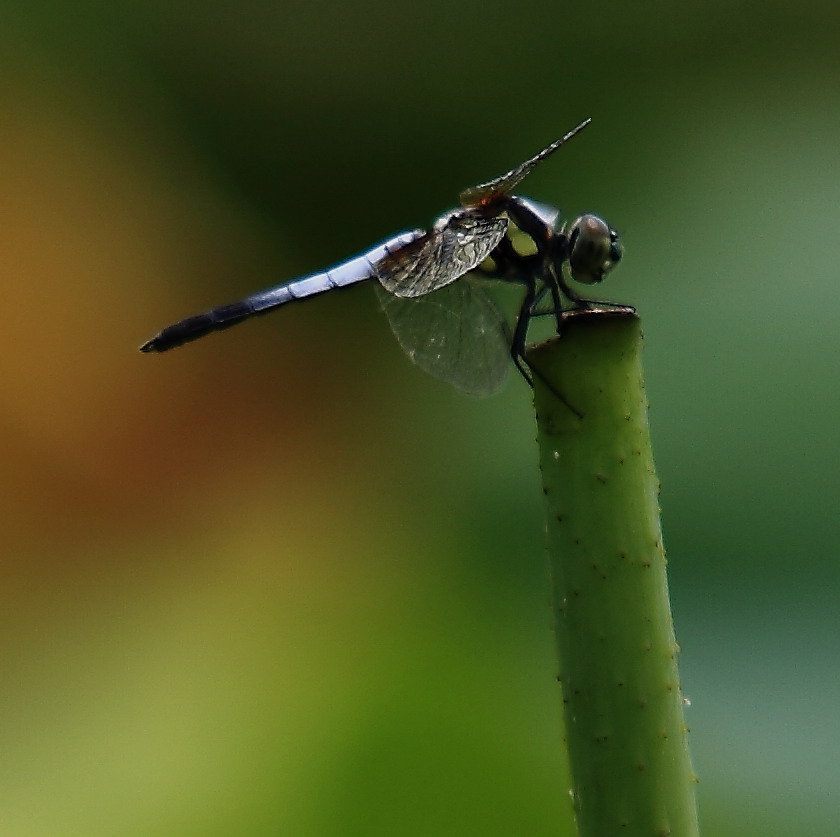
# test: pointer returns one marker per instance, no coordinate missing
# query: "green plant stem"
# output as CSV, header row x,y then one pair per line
x,y
623,708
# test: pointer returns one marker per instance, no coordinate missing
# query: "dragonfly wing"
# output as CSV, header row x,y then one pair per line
x,y
458,242
457,334
487,193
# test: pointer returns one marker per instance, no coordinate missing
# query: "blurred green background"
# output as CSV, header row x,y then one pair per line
x,y
280,581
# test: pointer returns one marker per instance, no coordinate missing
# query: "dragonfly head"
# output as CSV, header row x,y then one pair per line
x,y
594,248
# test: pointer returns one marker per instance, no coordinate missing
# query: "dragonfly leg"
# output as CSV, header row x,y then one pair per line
x,y
517,346
558,304
537,300
520,331
529,372
535,373
578,302
523,368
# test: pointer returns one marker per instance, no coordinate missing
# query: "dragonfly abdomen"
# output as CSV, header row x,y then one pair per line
x,y
356,270
197,326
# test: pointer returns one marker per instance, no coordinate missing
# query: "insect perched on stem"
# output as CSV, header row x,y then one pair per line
x,y
433,282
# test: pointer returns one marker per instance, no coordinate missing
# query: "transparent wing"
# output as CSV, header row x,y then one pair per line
x,y
458,242
457,334
486,193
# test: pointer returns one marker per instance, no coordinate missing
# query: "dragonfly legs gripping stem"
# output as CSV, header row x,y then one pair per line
x,y
517,346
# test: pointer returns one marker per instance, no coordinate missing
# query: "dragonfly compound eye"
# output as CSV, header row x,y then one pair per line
x,y
594,249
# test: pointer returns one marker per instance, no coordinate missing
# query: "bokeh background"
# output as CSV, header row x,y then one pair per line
x,y
280,581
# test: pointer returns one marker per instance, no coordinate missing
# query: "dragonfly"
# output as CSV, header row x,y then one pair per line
x,y
433,284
